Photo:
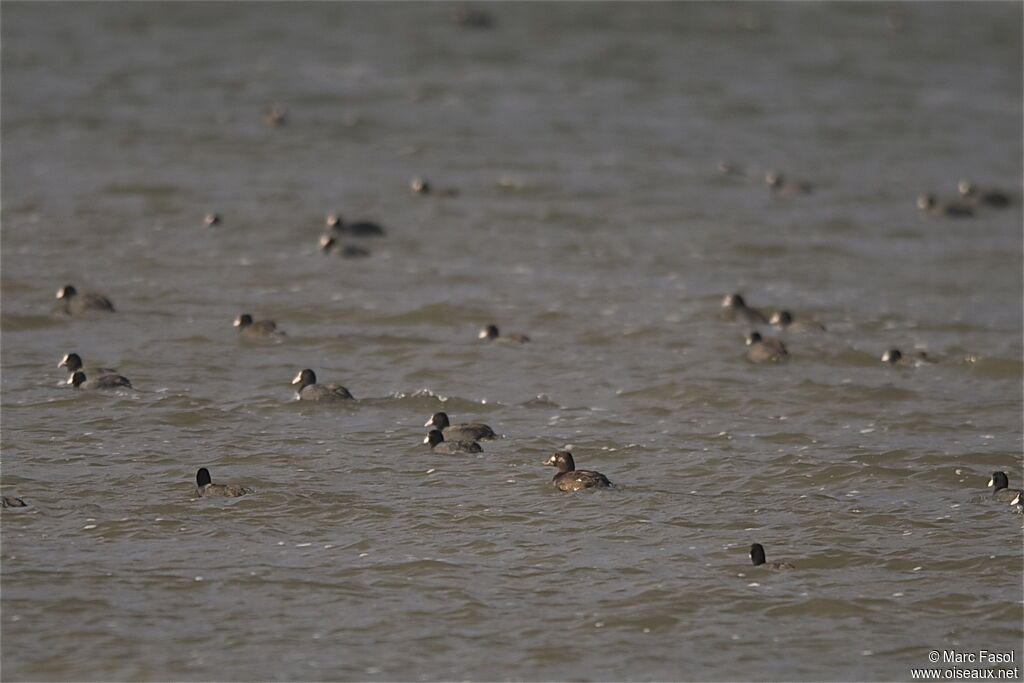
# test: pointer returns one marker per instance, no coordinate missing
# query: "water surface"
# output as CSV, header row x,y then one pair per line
x,y
584,141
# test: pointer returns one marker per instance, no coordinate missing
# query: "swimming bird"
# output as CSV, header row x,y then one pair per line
x,y
419,186
79,303
787,323
309,390
337,226
933,207
736,309
781,187
897,357
976,196
330,245
73,362
765,349
80,381
261,329
726,167
470,431
491,333
422,187
1000,487
440,445
473,18
757,559
569,478
211,218
206,487
275,115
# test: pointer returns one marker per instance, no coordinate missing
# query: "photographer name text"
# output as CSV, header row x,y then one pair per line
x,y
978,657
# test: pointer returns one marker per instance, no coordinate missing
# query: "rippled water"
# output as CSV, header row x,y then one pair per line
x,y
584,141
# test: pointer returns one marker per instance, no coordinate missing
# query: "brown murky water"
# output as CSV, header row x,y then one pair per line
x,y
584,141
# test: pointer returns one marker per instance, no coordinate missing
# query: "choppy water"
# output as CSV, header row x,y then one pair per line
x,y
584,141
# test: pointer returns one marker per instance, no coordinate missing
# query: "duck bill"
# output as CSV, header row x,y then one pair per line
x,y
298,378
